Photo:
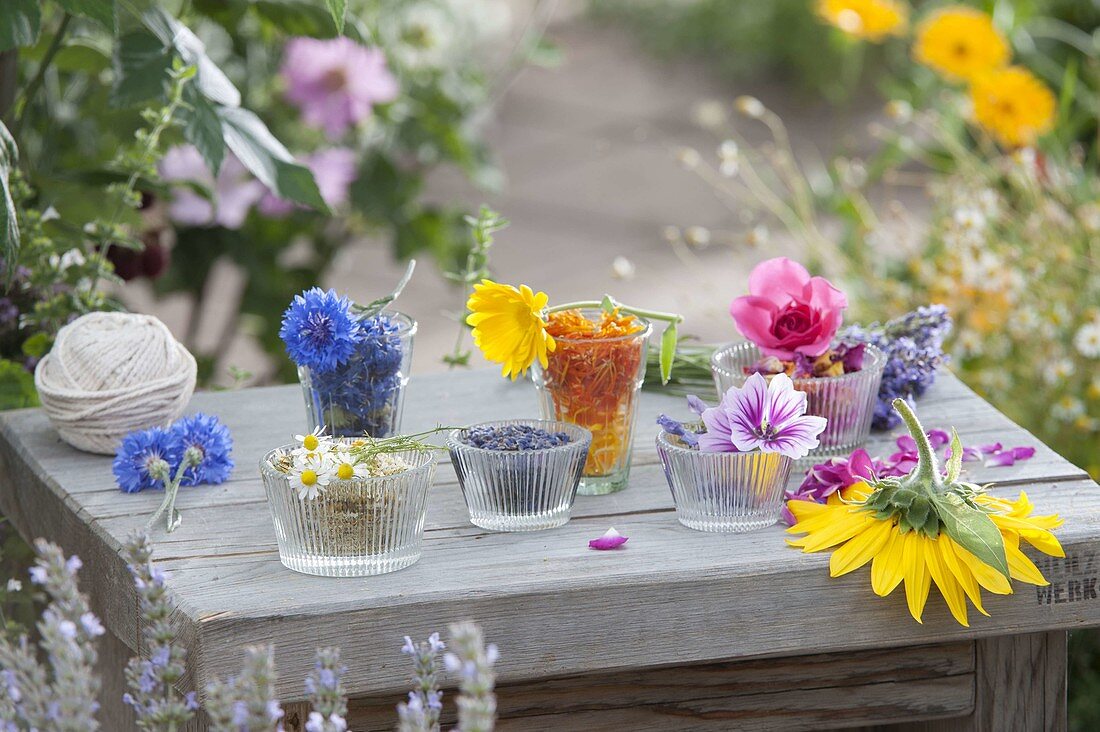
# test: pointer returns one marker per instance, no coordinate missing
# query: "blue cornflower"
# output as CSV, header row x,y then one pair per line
x,y
319,330
139,457
207,435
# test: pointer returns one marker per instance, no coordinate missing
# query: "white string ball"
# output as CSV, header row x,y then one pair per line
x,y
111,373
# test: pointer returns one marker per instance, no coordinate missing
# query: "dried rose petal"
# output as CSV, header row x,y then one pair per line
x,y
610,540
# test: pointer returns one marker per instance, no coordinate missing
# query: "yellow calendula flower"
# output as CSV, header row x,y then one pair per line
x,y
1013,106
960,43
508,325
869,20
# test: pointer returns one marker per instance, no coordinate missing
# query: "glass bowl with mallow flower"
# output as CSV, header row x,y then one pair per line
x,y
728,468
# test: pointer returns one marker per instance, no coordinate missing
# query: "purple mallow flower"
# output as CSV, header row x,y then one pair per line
x,y
336,82
611,539
770,417
334,170
232,194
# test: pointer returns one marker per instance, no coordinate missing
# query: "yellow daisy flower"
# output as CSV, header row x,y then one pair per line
x,y
508,325
1013,106
869,20
960,43
858,537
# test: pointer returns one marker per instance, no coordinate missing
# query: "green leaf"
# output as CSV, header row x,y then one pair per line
x,y
9,220
955,462
37,345
20,21
210,80
338,9
16,386
142,64
102,11
668,352
203,128
82,55
972,530
267,159
376,306
607,304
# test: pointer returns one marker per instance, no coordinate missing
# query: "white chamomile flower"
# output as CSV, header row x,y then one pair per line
x,y
315,444
1067,409
1087,340
310,477
1059,370
345,466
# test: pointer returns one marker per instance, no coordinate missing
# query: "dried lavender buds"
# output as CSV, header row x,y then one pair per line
x,y
513,437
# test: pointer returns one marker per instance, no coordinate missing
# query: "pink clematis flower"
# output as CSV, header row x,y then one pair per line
x,y
787,311
333,169
770,417
336,82
233,193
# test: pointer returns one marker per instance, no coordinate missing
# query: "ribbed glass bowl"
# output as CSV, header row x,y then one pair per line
x,y
355,527
724,491
520,490
847,401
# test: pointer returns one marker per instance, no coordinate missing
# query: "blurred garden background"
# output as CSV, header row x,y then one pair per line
x,y
205,160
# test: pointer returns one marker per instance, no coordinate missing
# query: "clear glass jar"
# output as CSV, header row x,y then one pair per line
x,y
724,491
846,401
354,527
594,383
520,490
365,396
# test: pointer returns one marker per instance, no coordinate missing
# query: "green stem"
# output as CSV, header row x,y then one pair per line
x,y
651,314
928,469
40,75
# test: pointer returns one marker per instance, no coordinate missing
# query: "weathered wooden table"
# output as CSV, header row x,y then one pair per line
x,y
678,630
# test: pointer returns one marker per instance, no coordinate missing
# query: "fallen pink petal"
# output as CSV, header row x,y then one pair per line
x,y
612,539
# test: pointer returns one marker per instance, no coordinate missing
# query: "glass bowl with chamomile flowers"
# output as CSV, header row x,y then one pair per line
x,y
349,507
353,360
588,360
519,474
728,469
791,321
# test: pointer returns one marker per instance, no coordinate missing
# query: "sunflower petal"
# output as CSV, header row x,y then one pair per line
x,y
1021,568
917,578
886,568
987,576
860,549
945,580
960,572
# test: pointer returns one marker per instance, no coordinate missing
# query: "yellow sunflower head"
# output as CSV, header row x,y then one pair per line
x,y
508,325
960,43
869,20
1013,106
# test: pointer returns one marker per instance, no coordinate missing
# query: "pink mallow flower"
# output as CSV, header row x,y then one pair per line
x,y
336,82
233,193
334,170
762,415
787,311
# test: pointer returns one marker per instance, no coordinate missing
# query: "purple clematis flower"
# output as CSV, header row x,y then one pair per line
x,y
770,417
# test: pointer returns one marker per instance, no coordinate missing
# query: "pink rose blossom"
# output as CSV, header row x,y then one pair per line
x,y
787,311
336,82
333,169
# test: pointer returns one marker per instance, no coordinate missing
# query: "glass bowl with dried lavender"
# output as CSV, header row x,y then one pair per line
x,y
349,507
728,470
519,474
791,322
353,360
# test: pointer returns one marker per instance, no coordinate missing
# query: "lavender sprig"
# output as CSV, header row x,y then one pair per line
x,y
152,681
421,712
326,693
477,706
60,694
246,703
913,345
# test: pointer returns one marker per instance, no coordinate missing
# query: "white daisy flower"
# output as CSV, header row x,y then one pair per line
x,y
310,478
1059,370
1087,340
1067,409
346,467
313,445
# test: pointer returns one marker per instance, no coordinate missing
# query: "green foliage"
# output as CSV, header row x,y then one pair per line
x,y
9,219
16,386
482,227
19,23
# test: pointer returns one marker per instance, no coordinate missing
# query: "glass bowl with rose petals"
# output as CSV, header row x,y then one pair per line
x,y
847,401
519,474
728,472
347,507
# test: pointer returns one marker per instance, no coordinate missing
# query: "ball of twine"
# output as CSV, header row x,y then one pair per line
x,y
111,373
